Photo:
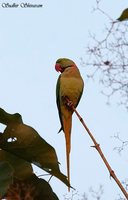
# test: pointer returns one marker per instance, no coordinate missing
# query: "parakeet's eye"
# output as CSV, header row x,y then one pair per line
x,y
58,68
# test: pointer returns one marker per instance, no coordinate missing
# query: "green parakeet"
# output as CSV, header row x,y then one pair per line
x,y
70,85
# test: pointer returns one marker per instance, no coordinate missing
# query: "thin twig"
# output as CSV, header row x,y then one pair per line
x,y
97,147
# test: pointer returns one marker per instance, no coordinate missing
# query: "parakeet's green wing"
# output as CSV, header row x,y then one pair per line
x,y
58,102
79,97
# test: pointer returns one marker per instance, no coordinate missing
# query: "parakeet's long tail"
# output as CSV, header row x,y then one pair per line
x,y
67,124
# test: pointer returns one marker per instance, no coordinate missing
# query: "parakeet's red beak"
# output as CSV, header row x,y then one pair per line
x,y
58,68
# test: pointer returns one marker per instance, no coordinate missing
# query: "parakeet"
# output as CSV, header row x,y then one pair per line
x,y
70,85
124,15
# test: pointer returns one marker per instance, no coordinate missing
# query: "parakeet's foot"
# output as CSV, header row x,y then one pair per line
x,y
67,102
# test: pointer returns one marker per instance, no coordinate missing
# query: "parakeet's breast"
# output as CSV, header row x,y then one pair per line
x,y
71,86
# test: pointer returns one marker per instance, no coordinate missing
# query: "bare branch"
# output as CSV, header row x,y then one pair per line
x,y
107,56
123,144
70,105
97,194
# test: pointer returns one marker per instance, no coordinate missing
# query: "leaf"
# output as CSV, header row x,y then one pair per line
x,y
24,142
124,15
6,177
42,188
32,188
6,118
21,168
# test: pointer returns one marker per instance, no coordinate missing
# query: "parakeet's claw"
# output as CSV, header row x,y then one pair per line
x,y
67,102
70,104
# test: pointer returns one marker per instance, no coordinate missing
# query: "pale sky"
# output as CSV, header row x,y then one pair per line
x,y
31,40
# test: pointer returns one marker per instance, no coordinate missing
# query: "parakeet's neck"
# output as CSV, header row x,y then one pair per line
x,y
71,71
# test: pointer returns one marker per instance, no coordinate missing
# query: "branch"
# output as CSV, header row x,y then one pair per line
x,y
107,57
70,105
122,145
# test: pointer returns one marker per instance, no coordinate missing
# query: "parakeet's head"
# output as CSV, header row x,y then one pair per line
x,y
63,63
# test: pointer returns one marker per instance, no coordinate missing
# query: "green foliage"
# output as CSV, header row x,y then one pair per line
x,y
6,118
33,188
21,168
124,15
21,145
6,177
